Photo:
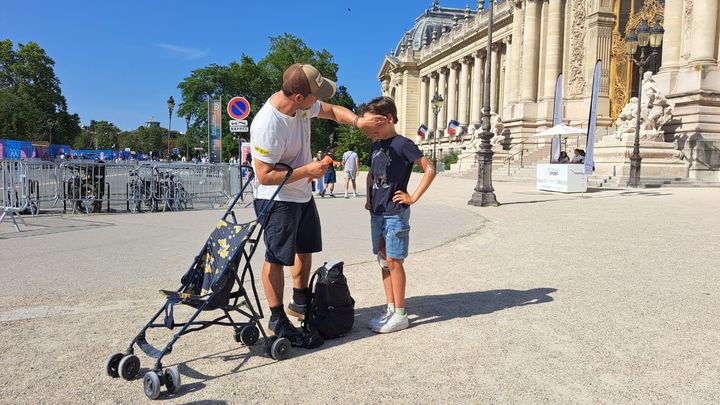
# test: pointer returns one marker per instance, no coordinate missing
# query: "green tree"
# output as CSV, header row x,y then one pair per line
x,y
150,139
32,106
257,82
352,135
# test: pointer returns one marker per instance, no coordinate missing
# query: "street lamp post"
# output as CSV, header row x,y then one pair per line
x,y
171,107
437,103
187,136
484,195
647,40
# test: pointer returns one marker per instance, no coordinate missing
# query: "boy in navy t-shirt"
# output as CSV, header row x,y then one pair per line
x,y
391,161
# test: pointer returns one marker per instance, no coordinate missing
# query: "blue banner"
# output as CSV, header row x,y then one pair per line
x,y
215,131
14,149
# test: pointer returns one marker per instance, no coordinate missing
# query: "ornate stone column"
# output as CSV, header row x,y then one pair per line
x,y
452,92
495,79
528,87
432,124
508,72
554,48
515,57
463,93
477,81
423,100
672,39
442,115
705,16
385,87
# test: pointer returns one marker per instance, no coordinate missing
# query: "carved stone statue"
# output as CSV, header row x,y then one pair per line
x,y
626,120
496,127
655,112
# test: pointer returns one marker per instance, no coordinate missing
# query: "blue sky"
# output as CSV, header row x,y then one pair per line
x,y
120,60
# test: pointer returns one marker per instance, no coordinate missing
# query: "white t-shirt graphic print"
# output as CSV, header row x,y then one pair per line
x,y
279,138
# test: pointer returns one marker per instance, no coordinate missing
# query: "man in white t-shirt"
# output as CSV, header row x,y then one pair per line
x,y
280,133
350,162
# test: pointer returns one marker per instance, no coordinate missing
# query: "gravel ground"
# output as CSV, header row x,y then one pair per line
x,y
607,297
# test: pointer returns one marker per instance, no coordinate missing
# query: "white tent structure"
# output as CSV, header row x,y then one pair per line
x,y
561,130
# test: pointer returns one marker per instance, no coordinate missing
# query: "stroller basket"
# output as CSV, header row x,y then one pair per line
x,y
214,281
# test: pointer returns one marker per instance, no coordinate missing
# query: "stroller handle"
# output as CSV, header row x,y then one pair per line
x,y
289,169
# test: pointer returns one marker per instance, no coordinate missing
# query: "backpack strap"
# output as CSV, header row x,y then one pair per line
x,y
311,288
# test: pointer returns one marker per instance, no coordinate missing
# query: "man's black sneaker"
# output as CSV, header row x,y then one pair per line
x,y
283,328
311,337
296,310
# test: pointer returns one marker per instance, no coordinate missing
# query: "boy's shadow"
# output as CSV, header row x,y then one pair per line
x,y
437,308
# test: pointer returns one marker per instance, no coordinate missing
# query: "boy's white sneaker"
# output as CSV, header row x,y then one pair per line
x,y
393,324
380,319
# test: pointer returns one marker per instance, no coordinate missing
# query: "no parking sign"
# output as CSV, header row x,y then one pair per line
x,y
238,108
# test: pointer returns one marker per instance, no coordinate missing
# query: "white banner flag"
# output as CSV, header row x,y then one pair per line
x,y
592,122
557,119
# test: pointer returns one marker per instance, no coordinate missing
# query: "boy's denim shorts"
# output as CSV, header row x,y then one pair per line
x,y
395,229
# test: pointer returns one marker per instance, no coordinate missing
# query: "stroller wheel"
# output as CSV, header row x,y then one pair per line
x,y
172,380
151,385
129,367
248,335
112,363
280,349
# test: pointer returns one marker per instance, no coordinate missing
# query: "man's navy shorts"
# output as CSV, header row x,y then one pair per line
x,y
291,228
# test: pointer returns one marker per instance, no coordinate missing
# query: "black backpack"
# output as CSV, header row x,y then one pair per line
x,y
331,310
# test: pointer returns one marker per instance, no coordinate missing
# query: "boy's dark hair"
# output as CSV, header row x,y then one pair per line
x,y
351,147
380,106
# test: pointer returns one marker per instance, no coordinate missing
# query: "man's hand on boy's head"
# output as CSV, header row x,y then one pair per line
x,y
370,122
402,197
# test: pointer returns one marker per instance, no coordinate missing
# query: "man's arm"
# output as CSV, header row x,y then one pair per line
x,y
342,115
428,169
269,175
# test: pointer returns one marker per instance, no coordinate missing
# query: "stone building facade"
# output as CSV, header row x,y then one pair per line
x,y
534,41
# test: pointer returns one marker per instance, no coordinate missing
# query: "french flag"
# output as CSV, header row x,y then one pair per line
x,y
453,128
422,131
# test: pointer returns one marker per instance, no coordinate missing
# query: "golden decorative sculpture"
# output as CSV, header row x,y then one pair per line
x,y
621,68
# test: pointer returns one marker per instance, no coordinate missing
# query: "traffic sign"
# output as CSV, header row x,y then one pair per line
x,y
240,123
238,108
239,129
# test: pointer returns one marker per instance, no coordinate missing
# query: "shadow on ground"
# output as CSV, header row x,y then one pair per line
x,y
426,310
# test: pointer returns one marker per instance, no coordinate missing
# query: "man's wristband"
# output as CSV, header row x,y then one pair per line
x,y
356,121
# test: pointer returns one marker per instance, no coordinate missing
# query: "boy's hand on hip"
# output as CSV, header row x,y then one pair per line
x,y
402,197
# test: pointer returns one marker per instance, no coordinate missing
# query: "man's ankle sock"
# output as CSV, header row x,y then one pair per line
x,y
277,313
400,311
391,307
300,296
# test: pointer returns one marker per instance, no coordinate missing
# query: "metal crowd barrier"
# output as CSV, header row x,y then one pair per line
x,y
15,189
88,186
42,183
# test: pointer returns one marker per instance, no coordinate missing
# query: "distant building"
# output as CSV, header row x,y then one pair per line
x,y
534,40
152,123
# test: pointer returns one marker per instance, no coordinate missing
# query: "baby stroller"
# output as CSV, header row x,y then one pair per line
x,y
211,283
